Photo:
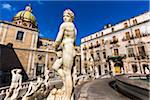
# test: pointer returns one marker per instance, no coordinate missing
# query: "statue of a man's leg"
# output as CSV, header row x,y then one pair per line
x,y
67,65
68,85
56,66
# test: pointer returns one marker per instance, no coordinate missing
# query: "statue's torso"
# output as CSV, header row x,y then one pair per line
x,y
16,78
69,33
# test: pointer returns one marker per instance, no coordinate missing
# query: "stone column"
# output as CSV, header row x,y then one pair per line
x,y
138,68
142,68
125,66
96,72
36,39
4,32
29,64
33,66
130,69
112,67
83,69
32,42
46,62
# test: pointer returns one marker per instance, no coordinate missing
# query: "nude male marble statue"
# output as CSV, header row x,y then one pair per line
x,y
66,39
15,86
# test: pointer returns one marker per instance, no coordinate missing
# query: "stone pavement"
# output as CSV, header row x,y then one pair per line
x,y
98,90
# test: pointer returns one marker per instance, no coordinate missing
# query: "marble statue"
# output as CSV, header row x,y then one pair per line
x,y
52,94
16,80
33,88
15,86
91,66
57,66
59,94
66,39
147,71
47,78
74,75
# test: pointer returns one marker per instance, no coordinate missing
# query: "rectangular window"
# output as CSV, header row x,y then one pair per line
x,y
125,25
19,35
102,41
142,51
138,33
116,52
112,29
84,58
99,67
134,21
127,35
98,54
130,52
134,67
101,33
104,54
39,69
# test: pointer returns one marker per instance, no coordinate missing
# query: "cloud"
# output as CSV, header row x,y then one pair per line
x,y
6,6
41,35
40,2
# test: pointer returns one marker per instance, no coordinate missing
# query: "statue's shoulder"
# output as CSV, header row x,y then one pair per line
x,y
67,24
63,25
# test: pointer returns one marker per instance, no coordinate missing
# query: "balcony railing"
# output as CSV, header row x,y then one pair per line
x,y
140,57
85,48
97,45
91,47
134,37
114,41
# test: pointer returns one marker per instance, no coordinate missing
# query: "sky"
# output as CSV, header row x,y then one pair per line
x,y
90,16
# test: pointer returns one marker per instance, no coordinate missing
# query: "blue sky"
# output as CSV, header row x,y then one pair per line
x,y
90,16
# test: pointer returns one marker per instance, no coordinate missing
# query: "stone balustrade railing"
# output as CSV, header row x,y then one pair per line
x,y
6,88
25,85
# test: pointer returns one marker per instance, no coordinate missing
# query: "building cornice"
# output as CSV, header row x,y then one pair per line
x,y
10,23
116,31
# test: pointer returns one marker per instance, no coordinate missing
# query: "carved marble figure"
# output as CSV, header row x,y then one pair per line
x,y
66,38
15,86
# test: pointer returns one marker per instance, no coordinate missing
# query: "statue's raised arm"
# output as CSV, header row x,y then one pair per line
x,y
59,36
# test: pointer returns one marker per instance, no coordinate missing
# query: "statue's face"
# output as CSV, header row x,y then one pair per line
x,y
67,17
59,53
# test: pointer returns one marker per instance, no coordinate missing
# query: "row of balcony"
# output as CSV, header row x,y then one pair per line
x,y
134,37
139,57
115,41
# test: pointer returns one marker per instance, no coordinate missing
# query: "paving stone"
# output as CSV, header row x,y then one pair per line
x,y
99,90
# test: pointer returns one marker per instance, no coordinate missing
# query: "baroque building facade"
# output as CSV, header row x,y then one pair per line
x,y
120,48
35,54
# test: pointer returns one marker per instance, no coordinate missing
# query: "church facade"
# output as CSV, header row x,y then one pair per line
x,y
34,53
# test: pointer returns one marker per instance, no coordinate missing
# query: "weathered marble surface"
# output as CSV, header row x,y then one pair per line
x,y
66,39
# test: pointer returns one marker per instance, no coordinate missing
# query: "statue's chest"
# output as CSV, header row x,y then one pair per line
x,y
69,33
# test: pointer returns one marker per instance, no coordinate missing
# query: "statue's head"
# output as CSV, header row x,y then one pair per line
x,y
54,91
68,15
19,71
59,54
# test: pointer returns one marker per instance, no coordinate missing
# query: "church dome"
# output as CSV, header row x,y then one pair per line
x,y
26,16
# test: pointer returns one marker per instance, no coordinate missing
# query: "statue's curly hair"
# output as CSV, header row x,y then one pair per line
x,y
68,11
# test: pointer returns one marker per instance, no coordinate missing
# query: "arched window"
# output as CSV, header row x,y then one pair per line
x,y
138,33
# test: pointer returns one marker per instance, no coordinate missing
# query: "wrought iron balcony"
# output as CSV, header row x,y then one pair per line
x,y
114,41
